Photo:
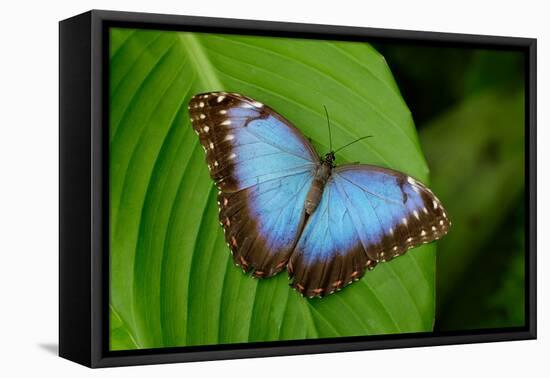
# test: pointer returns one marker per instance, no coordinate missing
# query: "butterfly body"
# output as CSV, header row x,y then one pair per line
x,y
281,205
320,179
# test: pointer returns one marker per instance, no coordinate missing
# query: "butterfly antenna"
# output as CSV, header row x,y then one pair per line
x,y
329,133
356,140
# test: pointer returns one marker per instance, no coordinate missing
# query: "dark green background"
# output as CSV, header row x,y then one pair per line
x,y
468,107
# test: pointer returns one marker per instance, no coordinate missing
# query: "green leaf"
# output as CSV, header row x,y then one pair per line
x,y
121,336
172,282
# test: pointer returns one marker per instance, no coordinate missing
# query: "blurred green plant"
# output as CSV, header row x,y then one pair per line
x,y
497,294
172,282
477,157
468,105
476,152
435,79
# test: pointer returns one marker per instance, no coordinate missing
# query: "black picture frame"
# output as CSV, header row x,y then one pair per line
x,y
83,196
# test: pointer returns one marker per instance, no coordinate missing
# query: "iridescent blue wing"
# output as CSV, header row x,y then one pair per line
x,y
367,215
263,167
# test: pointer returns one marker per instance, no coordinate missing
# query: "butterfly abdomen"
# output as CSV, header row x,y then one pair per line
x,y
317,186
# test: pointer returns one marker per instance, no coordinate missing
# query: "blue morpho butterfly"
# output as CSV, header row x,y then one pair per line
x,y
281,205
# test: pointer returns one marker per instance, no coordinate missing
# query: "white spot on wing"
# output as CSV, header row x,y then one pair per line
x,y
226,122
202,116
220,99
229,137
206,128
232,156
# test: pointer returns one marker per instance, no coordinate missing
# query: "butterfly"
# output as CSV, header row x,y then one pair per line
x,y
282,205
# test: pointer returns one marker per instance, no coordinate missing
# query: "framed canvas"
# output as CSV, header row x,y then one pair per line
x,y
234,188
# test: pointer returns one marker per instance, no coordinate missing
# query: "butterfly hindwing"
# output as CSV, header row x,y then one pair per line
x,y
263,167
367,214
262,223
329,253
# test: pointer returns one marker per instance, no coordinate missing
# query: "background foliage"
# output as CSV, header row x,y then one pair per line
x,y
468,105
171,277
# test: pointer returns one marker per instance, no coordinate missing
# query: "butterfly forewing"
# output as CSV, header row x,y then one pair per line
x,y
263,167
